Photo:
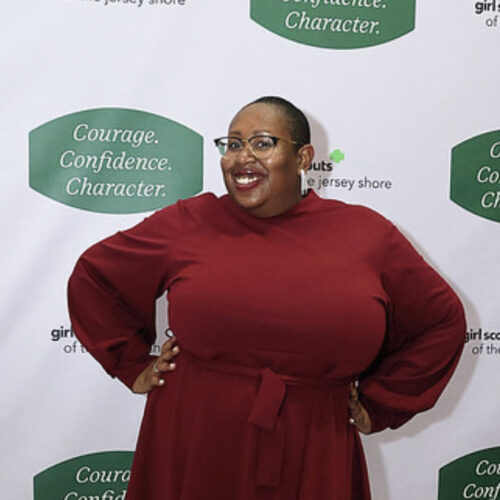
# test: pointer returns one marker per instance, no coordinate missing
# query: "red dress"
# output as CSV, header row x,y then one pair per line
x,y
274,318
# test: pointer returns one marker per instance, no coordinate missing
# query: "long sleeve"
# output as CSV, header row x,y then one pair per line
x,y
424,339
113,289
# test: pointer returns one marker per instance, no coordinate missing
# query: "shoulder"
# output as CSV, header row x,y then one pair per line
x,y
355,215
193,204
160,228
183,210
187,216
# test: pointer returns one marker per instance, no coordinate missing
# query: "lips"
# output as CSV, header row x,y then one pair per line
x,y
247,178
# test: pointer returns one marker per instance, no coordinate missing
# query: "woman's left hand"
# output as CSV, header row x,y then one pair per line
x,y
359,416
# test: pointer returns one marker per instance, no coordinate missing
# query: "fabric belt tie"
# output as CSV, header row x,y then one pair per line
x,y
265,411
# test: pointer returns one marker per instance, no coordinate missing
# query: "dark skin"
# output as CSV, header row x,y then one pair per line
x,y
150,378
359,416
277,190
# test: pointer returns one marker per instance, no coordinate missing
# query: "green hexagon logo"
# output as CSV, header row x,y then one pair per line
x,y
473,476
102,476
336,24
475,175
114,160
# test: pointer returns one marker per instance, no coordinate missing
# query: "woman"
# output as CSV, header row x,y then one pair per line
x,y
281,303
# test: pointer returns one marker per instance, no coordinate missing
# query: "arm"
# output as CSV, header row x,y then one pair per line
x,y
112,294
424,339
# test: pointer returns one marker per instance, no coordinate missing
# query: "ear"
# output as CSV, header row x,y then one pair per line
x,y
306,156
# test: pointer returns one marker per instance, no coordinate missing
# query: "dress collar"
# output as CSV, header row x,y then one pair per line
x,y
303,206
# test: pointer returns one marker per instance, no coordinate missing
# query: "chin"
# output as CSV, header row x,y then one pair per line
x,y
247,202
247,199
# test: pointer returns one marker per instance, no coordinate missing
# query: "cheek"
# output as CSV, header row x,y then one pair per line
x,y
285,170
225,165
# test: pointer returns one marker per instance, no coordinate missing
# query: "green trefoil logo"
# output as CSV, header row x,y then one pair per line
x,y
475,175
337,156
115,160
336,24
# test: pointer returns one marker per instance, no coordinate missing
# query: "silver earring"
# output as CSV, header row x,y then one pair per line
x,y
303,182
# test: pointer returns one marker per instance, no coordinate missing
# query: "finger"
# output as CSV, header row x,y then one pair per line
x,y
353,401
353,393
166,356
358,423
361,420
168,345
357,411
363,425
163,365
358,417
157,381
169,355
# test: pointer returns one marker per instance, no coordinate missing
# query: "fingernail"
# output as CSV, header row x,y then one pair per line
x,y
172,365
175,349
161,382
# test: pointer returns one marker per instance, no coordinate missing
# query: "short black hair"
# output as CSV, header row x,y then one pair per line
x,y
300,130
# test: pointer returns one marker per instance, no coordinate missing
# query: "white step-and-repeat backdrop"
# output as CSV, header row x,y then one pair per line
x,y
109,108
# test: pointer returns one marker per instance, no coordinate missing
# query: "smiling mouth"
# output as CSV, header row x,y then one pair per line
x,y
247,179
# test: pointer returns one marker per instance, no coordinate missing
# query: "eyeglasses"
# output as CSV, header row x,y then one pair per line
x,y
261,146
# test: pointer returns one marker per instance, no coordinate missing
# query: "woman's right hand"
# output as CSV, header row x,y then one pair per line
x,y
152,375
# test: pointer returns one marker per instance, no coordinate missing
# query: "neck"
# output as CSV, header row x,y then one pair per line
x,y
278,208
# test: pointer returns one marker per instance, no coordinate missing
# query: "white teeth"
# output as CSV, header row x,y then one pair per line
x,y
246,179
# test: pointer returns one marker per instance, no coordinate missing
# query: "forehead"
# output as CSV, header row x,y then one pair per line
x,y
260,117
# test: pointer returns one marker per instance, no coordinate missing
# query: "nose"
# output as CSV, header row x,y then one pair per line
x,y
246,153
